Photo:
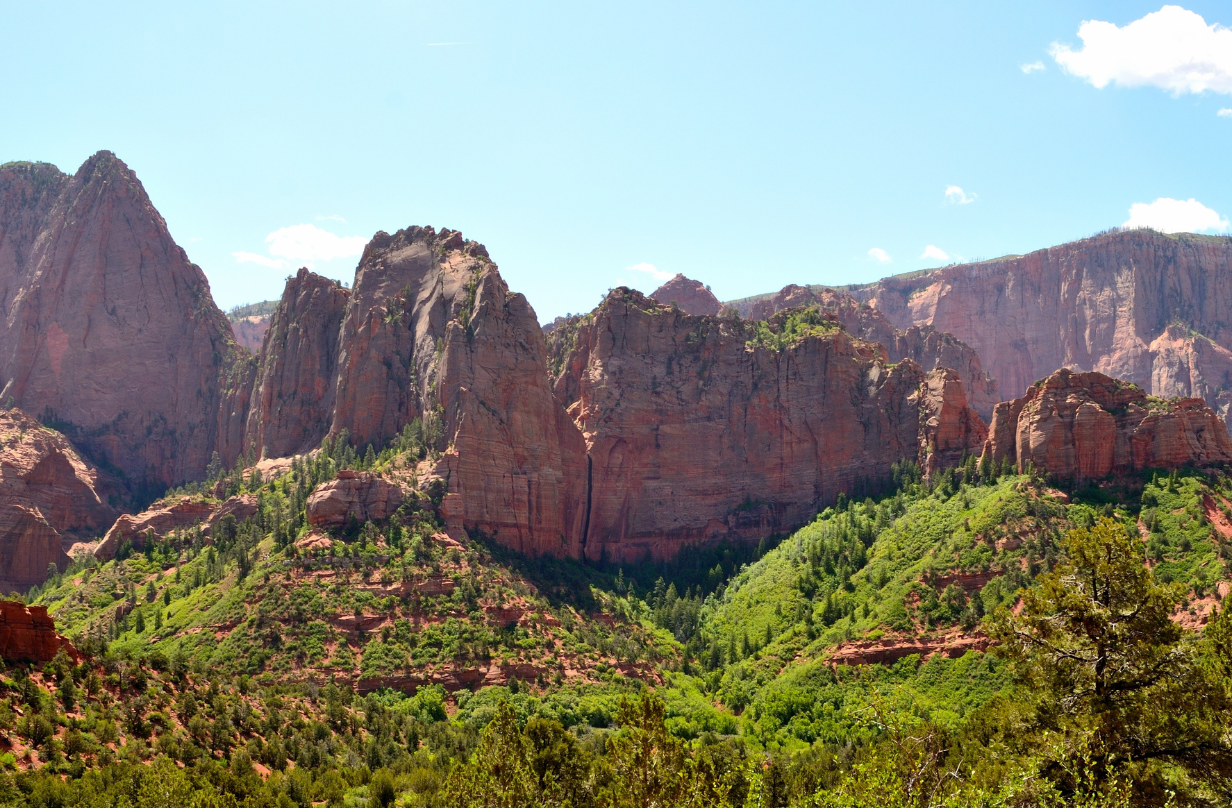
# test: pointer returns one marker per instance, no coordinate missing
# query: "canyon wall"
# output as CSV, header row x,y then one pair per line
x,y
1149,308
1085,426
698,429
692,297
923,344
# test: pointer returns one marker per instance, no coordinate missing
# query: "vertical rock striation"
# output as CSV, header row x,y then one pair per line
x,y
701,428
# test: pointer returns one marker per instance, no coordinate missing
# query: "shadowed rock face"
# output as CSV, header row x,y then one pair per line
x,y
696,431
949,427
107,324
924,345
693,297
1087,426
292,405
49,498
1102,304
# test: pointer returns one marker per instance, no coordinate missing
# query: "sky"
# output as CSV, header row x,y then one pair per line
x,y
588,145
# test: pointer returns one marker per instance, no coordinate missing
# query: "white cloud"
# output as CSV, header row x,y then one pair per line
x,y
305,242
1175,216
261,260
880,254
957,196
1173,49
333,217
1033,67
1224,113
936,253
659,275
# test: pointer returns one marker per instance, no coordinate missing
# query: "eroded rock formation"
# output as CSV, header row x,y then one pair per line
x,y
1142,306
166,516
697,429
923,344
950,429
1088,425
50,497
28,634
108,327
354,495
692,297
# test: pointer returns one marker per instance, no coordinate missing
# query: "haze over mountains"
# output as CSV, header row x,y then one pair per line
x,y
630,432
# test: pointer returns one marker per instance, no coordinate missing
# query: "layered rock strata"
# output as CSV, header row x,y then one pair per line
x,y
108,328
50,497
1087,426
1150,308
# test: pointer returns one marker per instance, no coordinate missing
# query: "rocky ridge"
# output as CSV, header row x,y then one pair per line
x,y
28,634
95,291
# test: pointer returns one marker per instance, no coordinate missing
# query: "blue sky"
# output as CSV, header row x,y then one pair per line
x,y
746,145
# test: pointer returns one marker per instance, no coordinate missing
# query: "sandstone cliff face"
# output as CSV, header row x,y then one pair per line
x,y
698,431
107,324
949,427
693,297
250,331
430,331
1087,426
28,634
292,405
353,495
924,344
49,498
1099,304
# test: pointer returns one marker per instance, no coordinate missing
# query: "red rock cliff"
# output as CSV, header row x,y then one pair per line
x,y
924,345
698,430
693,297
50,497
1103,304
28,634
107,323
1088,425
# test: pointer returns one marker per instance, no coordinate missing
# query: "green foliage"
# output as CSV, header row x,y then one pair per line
x,y
783,331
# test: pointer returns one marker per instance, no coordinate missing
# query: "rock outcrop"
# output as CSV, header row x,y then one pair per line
x,y
166,516
950,429
28,634
1150,308
924,344
292,405
429,331
50,497
692,297
108,328
697,428
353,495
1087,426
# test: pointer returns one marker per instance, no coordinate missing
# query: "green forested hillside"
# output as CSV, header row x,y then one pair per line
x,y
387,663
